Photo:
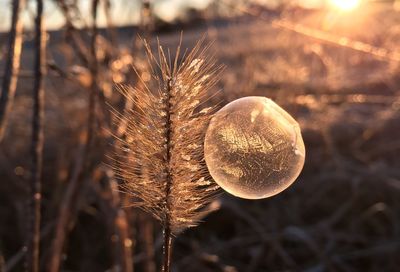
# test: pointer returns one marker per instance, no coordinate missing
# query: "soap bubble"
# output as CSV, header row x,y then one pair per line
x,y
253,148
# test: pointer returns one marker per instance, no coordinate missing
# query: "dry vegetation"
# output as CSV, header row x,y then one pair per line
x,y
343,213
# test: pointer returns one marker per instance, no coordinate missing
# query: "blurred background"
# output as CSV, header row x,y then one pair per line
x,y
333,64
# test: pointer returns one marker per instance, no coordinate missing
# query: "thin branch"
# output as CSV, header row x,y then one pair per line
x,y
72,34
18,257
94,67
110,24
147,225
123,256
119,217
32,256
12,65
69,203
70,199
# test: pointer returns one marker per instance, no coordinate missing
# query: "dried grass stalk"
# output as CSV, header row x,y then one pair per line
x,y
32,257
12,64
163,167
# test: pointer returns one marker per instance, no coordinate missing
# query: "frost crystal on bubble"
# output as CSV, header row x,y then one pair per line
x,y
253,148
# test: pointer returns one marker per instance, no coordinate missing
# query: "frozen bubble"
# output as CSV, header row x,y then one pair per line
x,y
253,148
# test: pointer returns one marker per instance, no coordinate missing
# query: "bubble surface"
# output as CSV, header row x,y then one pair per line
x,y
253,148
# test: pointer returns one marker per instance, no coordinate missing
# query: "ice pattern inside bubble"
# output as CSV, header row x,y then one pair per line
x,y
253,148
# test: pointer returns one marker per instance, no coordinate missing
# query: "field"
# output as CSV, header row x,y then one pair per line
x,y
343,212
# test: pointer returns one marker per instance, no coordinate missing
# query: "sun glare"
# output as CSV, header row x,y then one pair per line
x,y
345,5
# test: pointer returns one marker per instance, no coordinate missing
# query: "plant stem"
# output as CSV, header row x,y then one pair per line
x,y
167,224
167,249
12,65
37,143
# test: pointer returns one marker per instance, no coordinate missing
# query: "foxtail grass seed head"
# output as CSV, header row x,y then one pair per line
x,y
253,148
163,165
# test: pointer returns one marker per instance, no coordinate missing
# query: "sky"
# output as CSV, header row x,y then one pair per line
x,y
124,11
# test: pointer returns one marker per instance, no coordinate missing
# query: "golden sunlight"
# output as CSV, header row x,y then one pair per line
x,y
345,5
